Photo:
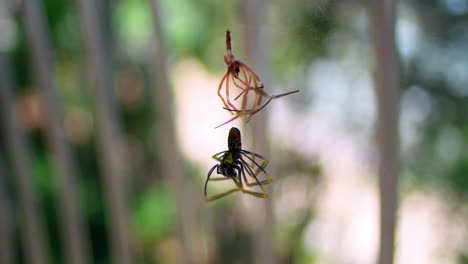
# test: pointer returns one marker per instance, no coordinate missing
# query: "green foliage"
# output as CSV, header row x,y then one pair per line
x,y
301,31
458,179
298,32
154,213
134,23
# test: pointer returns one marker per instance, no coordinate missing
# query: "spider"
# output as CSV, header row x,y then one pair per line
x,y
233,165
247,81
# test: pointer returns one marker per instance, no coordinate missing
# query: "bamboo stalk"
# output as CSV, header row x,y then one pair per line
x,y
73,234
34,243
168,148
256,45
386,81
6,223
112,151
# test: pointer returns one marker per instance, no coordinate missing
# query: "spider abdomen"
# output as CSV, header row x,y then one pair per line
x,y
228,167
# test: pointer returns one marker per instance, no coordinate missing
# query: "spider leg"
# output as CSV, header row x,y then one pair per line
x,y
245,86
215,156
221,86
216,197
251,81
270,98
243,151
227,93
238,111
255,174
260,167
230,120
225,80
256,194
257,110
244,101
248,112
208,177
243,91
283,94
242,85
260,94
251,174
218,179
246,82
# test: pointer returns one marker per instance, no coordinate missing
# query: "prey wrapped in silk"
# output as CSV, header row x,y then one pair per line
x,y
241,83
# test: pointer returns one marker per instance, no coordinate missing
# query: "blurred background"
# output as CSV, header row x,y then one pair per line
x,y
108,111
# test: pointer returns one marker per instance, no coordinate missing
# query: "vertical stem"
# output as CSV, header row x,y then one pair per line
x,y
73,234
386,81
112,151
168,147
6,224
263,246
33,237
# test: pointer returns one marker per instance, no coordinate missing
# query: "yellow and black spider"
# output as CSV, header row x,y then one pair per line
x,y
233,165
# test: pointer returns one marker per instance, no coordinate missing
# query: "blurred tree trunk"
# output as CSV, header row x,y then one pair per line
x,y
256,43
170,162
386,82
34,244
73,234
6,223
112,151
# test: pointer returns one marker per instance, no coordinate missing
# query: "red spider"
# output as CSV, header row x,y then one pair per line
x,y
246,80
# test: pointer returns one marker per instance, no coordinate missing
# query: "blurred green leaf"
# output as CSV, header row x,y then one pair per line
x,y
154,213
133,21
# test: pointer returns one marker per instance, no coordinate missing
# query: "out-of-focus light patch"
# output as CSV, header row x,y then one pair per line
x,y
313,131
252,211
457,77
78,125
344,95
328,81
292,199
337,42
168,251
362,103
184,23
199,111
449,144
415,109
456,7
299,131
346,224
314,238
345,228
357,57
8,34
361,21
408,36
449,63
130,88
427,233
30,110
134,21
431,60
